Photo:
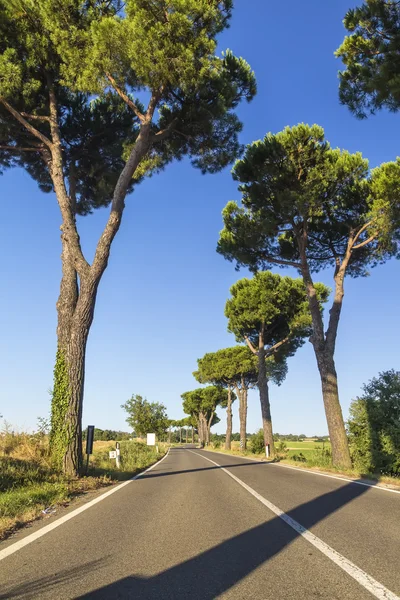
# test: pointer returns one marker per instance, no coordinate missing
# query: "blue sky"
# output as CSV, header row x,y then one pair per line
x,y
161,301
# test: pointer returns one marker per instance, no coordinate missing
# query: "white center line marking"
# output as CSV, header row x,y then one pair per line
x,y
41,532
369,583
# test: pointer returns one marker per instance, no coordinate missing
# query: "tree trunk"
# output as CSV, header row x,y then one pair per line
x,y
180,435
187,433
264,400
228,420
324,348
81,322
333,410
192,434
243,417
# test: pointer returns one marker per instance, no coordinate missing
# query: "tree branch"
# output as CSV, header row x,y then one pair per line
x,y
25,123
250,345
274,348
363,228
164,133
21,149
365,242
37,117
65,203
286,263
126,98
139,150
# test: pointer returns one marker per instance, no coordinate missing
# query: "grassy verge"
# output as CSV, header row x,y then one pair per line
x,y
29,485
313,462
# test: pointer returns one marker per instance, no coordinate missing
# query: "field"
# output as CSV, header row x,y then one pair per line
x,y
30,487
308,448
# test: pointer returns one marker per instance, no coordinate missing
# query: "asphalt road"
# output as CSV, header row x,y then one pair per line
x,y
186,529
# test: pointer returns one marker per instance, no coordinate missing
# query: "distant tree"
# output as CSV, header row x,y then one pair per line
x,y
371,54
145,417
270,313
374,425
231,368
309,207
201,404
69,73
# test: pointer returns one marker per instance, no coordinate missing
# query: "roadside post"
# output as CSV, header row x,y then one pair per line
x,y
117,457
267,451
89,444
151,439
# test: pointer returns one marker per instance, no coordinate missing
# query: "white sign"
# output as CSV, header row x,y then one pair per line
x,y
151,439
113,454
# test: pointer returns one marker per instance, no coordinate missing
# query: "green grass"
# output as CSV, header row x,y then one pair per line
x,y
135,456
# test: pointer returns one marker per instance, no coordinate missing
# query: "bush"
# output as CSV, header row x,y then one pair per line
x,y
298,457
257,442
217,444
374,425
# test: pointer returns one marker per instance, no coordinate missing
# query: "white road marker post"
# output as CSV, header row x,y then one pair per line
x,y
267,451
118,454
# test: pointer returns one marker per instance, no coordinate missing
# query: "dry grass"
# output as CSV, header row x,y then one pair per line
x,y
29,484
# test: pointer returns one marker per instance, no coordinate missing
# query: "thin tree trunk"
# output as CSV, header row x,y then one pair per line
x,y
208,428
228,420
324,349
264,399
180,435
187,433
192,434
243,416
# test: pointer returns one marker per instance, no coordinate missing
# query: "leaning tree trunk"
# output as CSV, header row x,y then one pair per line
x,y
333,410
324,348
228,421
264,400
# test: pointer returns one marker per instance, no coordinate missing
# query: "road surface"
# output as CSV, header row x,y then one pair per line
x,y
191,529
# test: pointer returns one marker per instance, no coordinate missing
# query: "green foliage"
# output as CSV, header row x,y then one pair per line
x,y
275,307
59,433
371,55
257,442
96,57
204,401
107,435
374,425
228,367
145,417
294,184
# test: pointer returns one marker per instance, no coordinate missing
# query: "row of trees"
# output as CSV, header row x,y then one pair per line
x,y
70,117
270,314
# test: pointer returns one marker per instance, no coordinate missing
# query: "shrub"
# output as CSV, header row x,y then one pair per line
x,y
374,425
257,442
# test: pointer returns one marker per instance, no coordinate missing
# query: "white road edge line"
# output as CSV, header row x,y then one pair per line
x,y
307,472
365,580
47,528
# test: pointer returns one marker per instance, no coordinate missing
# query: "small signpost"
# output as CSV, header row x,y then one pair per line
x,y
267,451
89,444
151,439
116,454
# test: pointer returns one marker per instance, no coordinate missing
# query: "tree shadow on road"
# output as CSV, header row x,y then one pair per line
x,y
211,573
